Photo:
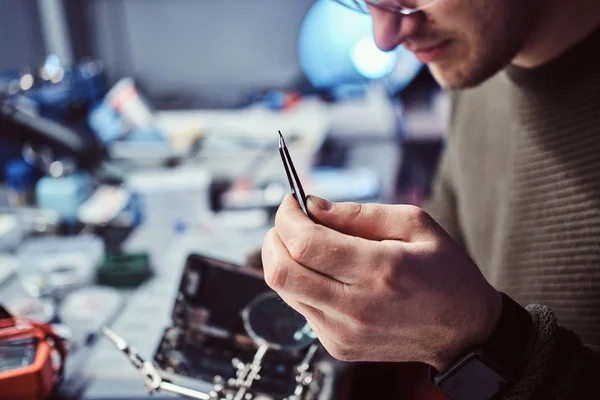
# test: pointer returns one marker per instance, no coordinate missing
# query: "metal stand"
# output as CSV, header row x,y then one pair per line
x,y
234,389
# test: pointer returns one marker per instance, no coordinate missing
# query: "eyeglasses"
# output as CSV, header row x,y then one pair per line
x,y
406,7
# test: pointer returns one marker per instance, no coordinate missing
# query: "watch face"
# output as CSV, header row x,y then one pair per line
x,y
473,379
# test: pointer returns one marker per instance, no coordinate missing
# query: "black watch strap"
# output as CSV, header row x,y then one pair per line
x,y
510,342
494,366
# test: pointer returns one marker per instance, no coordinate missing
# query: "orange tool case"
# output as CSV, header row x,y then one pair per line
x,y
31,358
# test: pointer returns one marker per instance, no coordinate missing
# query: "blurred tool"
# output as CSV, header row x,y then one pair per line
x,y
265,196
19,180
32,358
95,217
110,205
9,150
18,223
56,265
103,205
55,31
64,93
135,110
56,91
335,184
281,101
48,140
295,184
87,310
11,233
26,221
8,267
151,182
234,193
235,219
125,114
345,184
23,305
154,382
122,269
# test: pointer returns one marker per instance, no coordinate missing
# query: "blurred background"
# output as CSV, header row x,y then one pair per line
x,y
134,133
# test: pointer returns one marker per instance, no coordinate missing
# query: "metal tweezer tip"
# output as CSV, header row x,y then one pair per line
x,y
281,141
117,340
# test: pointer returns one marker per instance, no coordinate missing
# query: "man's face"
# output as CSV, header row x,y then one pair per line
x,y
464,42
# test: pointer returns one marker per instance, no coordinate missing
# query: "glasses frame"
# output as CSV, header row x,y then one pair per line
x,y
361,6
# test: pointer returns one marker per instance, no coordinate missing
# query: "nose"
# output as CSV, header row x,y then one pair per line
x,y
391,29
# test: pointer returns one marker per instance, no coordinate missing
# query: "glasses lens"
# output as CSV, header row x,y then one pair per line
x,y
400,6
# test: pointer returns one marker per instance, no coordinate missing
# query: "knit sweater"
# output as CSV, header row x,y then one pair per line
x,y
519,188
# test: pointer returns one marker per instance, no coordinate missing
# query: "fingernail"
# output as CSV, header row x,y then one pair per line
x,y
320,203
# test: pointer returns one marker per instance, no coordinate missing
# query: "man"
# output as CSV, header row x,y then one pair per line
x,y
517,192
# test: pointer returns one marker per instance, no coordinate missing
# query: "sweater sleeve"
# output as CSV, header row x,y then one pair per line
x,y
560,367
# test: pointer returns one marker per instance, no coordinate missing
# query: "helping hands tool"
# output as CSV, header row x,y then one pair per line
x,y
236,388
154,382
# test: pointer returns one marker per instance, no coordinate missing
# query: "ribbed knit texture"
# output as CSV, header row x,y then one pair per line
x,y
561,368
520,184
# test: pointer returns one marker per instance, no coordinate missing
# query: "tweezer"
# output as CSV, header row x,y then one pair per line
x,y
292,176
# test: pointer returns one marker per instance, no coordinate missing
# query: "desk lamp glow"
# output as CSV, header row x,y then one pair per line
x,y
336,47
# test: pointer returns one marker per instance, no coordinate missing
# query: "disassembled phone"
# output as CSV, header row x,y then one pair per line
x,y
231,331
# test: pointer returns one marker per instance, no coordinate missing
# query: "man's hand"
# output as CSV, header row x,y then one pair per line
x,y
379,282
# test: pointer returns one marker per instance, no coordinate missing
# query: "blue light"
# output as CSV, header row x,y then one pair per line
x,y
52,65
336,47
371,62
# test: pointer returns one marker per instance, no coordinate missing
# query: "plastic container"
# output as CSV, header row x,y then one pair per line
x,y
11,232
64,194
37,309
8,268
55,265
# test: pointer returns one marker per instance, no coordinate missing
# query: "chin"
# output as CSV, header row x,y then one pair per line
x,y
447,77
453,77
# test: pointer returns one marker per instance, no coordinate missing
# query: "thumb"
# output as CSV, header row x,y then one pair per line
x,y
369,221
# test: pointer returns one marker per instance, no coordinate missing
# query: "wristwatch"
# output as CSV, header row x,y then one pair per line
x,y
487,371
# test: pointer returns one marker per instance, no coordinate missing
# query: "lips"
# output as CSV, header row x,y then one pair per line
x,y
428,54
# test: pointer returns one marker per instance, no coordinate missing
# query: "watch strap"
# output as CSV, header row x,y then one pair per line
x,y
496,364
509,345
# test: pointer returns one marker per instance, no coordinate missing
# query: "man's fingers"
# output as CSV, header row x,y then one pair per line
x,y
287,277
339,256
371,221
